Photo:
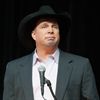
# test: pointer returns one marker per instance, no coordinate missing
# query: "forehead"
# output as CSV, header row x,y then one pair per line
x,y
42,20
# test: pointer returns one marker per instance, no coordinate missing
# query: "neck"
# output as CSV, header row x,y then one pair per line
x,y
44,53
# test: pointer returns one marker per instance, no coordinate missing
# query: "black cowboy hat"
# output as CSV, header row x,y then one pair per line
x,y
28,23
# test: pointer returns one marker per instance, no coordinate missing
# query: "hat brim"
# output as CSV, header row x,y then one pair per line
x,y
28,23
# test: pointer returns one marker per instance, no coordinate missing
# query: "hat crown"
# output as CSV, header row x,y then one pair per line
x,y
46,9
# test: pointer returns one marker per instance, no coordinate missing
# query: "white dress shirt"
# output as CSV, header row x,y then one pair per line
x,y
51,65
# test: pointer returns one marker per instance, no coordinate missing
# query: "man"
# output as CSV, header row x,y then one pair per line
x,y
71,76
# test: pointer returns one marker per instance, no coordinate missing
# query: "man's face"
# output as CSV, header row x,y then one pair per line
x,y
46,33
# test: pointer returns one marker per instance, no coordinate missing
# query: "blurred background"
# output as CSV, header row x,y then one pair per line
x,y
83,38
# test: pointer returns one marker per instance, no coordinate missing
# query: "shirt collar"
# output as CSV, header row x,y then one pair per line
x,y
55,56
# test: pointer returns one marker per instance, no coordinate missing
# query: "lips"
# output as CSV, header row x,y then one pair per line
x,y
50,38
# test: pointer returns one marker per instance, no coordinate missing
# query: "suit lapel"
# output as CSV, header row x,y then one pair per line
x,y
26,77
64,73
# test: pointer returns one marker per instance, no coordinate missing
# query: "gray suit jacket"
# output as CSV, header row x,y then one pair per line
x,y
75,79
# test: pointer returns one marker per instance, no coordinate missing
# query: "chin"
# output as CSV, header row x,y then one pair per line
x,y
51,45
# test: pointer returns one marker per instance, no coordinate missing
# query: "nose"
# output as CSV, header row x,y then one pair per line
x,y
50,30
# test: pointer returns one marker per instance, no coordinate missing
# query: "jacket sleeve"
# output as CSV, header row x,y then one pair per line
x,y
89,89
8,93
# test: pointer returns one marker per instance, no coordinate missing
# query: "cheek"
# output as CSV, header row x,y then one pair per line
x,y
36,35
39,37
57,34
57,31
58,37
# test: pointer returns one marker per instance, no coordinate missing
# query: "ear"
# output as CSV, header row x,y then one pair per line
x,y
33,35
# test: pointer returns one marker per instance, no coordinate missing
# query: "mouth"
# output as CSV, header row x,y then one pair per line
x,y
50,38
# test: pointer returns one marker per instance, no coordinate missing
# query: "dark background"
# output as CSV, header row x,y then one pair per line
x,y
83,38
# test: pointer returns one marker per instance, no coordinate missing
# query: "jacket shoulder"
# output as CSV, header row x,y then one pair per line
x,y
20,60
73,57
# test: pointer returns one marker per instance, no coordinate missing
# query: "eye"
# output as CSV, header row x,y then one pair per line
x,y
55,26
44,26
